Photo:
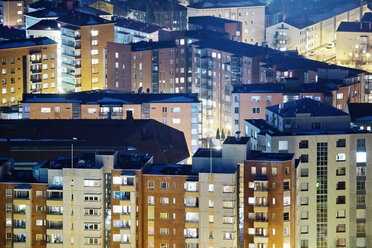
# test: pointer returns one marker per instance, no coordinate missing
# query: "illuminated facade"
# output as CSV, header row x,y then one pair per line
x,y
27,66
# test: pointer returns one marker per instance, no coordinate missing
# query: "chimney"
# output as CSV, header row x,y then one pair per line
x,y
237,136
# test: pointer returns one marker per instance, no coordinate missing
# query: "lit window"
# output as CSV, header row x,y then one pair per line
x,y
176,121
95,43
94,61
45,110
94,51
94,32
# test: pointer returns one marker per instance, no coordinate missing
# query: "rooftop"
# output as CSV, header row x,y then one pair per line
x,y
169,169
232,140
35,140
150,45
305,106
91,11
284,88
209,20
261,156
360,111
26,43
45,25
109,97
206,152
309,19
136,25
50,13
132,161
77,18
234,47
367,17
225,4
41,4
362,27
10,33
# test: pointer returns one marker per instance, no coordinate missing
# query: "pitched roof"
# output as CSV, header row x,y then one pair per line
x,y
77,18
35,140
45,25
283,88
106,97
26,42
136,25
305,106
234,47
363,27
10,33
209,20
225,4
48,13
360,111
91,11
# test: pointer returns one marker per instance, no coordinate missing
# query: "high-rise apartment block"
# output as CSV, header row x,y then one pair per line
x,y
251,14
150,67
27,66
12,12
84,41
332,178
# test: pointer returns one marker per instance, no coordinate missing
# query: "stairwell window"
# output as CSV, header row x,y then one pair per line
x,y
94,32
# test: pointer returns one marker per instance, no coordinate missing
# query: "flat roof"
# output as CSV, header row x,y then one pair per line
x,y
77,18
26,42
359,27
262,156
169,169
206,152
108,97
225,4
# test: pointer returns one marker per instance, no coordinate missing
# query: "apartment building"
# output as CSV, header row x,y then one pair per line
x,y
27,66
216,24
84,41
150,67
132,31
332,184
251,14
12,12
269,191
178,111
312,30
352,47
218,66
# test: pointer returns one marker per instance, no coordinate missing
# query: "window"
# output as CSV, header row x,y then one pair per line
x,y
340,157
304,158
286,185
92,183
341,228
304,186
228,189
164,231
39,222
304,172
304,243
340,96
95,61
164,216
361,199
341,214
94,51
361,227
341,143
304,229
8,193
304,200
341,185
341,171
164,200
274,171
268,98
176,110
341,242
361,185
8,207
286,216
228,235
3,71
164,185
94,32
255,110
176,121
91,226
304,215
150,185
341,199
39,194
283,145
303,144
253,170
39,237
255,98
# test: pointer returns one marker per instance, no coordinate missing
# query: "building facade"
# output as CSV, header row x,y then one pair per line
x,y
250,13
28,66
84,41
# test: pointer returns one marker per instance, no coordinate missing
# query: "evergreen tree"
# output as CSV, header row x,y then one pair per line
x,y
218,134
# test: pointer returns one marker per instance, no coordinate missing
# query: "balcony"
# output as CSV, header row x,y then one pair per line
x,y
56,225
36,61
36,80
36,70
22,195
20,224
55,196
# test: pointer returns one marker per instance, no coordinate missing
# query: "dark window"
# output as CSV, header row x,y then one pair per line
x,y
286,216
341,199
304,172
286,185
303,144
341,143
341,185
304,158
315,125
341,171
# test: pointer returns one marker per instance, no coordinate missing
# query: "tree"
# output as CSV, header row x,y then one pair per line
x,y
223,136
218,134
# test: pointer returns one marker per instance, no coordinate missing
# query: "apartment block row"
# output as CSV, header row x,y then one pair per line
x,y
179,111
111,199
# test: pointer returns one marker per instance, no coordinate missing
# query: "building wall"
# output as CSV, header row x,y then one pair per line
x,y
13,13
27,70
264,223
252,19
